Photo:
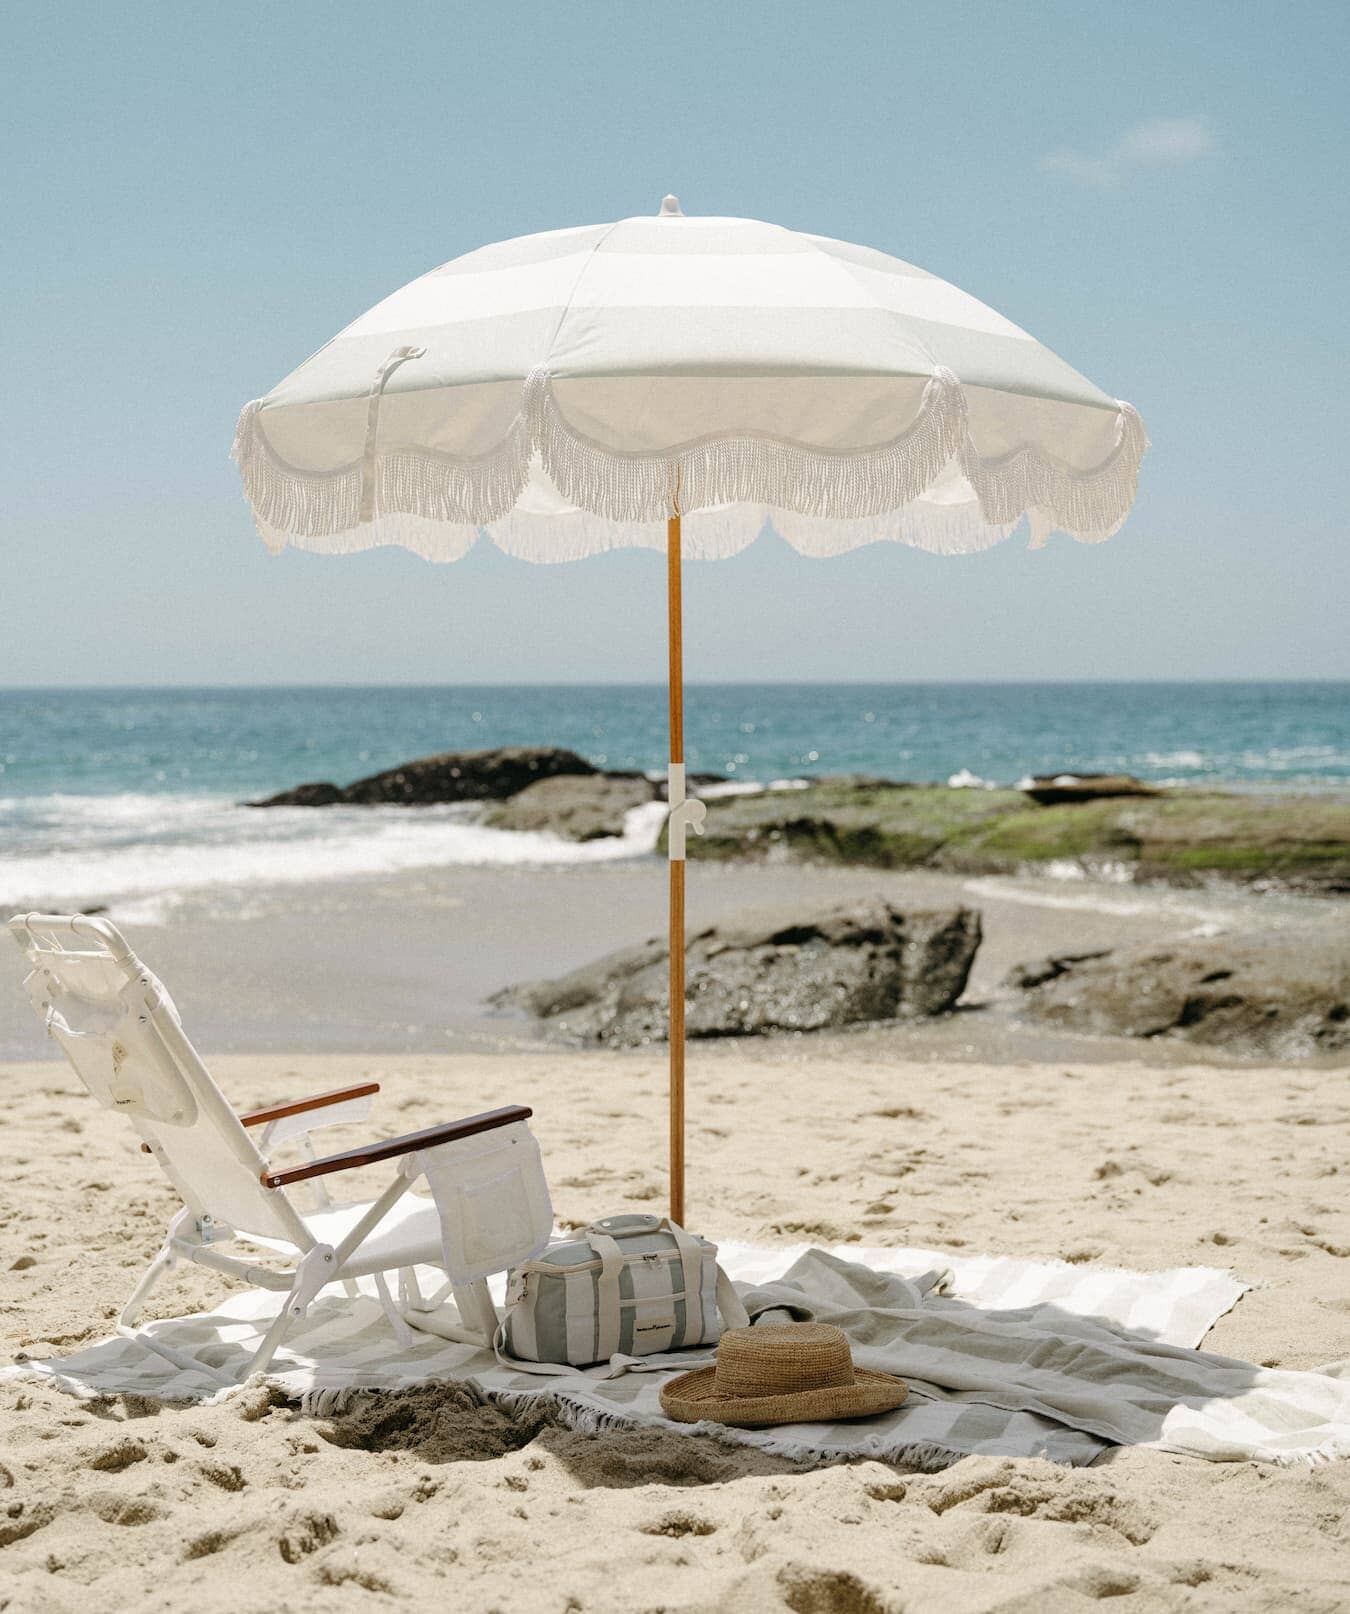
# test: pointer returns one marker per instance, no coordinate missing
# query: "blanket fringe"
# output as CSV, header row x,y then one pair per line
x,y
587,1419
327,1403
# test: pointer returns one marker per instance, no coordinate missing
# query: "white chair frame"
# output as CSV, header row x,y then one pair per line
x,y
194,1235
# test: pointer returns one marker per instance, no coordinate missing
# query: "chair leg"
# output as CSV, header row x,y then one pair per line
x,y
271,1340
476,1310
141,1293
125,1323
409,1290
437,1298
402,1333
313,1273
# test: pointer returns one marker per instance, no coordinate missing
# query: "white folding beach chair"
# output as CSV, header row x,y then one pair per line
x,y
489,1208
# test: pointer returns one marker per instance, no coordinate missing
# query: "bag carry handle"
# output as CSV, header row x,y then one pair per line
x,y
627,1222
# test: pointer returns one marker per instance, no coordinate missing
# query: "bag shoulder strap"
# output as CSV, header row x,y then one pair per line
x,y
607,1294
729,1303
518,1364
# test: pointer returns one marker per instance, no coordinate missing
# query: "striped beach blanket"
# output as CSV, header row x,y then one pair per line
x,y
1004,1357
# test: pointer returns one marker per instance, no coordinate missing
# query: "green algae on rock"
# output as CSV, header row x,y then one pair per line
x,y
1297,843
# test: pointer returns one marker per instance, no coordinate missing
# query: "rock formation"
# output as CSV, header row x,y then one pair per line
x,y
578,808
816,969
1281,996
452,776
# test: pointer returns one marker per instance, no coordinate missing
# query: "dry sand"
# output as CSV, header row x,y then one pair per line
x,y
430,1498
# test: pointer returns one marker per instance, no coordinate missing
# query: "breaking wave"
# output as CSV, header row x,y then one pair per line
x,y
84,851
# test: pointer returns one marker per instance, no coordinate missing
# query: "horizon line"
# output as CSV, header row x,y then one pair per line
x,y
659,684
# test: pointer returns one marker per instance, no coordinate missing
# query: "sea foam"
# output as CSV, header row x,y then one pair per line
x,y
87,850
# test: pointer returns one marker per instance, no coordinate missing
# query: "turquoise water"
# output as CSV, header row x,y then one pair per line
x,y
241,742
115,794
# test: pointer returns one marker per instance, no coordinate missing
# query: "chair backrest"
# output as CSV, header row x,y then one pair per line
x,y
121,1032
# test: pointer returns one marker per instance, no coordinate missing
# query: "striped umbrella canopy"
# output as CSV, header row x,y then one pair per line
x,y
677,383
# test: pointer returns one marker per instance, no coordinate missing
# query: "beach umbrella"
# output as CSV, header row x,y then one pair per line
x,y
679,383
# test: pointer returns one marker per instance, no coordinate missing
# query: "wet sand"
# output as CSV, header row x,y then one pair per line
x,y
406,962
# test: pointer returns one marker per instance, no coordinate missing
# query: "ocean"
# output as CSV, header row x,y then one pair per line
x,y
131,796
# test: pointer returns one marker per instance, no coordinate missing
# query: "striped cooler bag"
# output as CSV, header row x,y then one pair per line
x,y
629,1286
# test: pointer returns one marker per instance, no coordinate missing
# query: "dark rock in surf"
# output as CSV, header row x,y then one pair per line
x,y
452,776
1022,977
1061,789
322,793
579,809
811,969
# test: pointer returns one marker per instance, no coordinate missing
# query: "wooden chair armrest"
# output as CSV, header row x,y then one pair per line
x,y
373,1153
319,1101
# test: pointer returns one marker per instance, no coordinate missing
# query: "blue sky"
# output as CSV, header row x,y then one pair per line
x,y
198,196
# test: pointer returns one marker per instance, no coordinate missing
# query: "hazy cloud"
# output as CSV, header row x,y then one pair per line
x,y
1155,143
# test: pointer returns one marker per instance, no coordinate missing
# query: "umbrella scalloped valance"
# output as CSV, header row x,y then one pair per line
x,y
569,391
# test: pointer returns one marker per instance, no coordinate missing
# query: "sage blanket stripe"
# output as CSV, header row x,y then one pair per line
x,y
887,1300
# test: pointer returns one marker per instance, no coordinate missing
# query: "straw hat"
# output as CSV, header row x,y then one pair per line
x,y
781,1373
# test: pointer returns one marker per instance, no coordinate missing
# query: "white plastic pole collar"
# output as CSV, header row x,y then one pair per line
x,y
686,813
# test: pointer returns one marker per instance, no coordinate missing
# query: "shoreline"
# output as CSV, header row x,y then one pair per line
x,y
412,957
142,854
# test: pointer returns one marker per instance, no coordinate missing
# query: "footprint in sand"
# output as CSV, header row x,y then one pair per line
x,y
306,1534
226,1476
124,1510
1039,1491
121,1454
678,1525
209,1543
21,1522
829,1232
828,1591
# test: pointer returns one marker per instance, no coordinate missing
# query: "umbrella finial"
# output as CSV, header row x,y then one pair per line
x,y
670,208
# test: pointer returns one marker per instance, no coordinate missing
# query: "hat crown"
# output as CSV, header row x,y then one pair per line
x,y
782,1359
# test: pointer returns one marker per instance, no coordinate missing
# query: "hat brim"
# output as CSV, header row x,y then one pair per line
x,y
693,1397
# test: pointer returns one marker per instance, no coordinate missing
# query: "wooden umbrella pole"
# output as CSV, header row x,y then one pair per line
x,y
674,603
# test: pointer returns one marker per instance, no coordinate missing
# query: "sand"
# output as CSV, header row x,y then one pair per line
x,y
429,1498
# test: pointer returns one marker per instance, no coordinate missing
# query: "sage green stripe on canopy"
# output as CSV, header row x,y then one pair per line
x,y
558,388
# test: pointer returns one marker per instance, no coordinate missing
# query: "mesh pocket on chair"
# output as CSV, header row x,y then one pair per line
x,y
120,1060
492,1199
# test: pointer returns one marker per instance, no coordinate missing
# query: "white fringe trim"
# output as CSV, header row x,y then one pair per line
x,y
415,482
822,503
721,533
1089,504
748,470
